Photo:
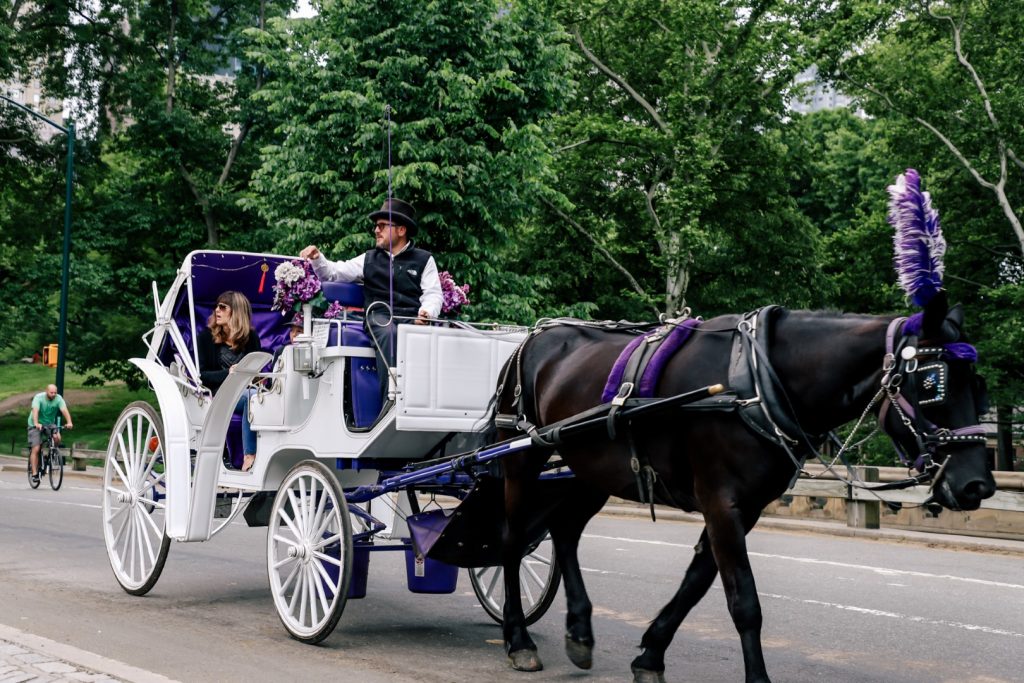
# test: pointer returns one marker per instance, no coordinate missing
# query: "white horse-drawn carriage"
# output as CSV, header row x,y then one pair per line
x,y
332,480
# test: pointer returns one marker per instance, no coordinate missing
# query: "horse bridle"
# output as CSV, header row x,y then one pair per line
x,y
899,386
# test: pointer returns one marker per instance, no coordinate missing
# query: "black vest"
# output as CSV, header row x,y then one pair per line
x,y
409,267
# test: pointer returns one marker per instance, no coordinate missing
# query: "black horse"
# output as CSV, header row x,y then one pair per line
x,y
815,372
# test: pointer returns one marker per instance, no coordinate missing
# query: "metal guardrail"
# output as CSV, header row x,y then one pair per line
x,y
863,507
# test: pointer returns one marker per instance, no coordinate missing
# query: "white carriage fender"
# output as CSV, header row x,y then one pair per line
x,y
211,445
175,447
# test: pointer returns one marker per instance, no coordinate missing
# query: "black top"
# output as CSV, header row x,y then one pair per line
x,y
215,359
408,267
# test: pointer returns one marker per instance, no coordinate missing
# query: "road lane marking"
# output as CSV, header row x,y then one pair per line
x,y
884,571
55,502
896,615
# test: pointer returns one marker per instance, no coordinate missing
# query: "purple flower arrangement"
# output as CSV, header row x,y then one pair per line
x,y
455,296
297,284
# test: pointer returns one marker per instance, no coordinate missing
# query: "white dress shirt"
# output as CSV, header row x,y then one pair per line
x,y
352,271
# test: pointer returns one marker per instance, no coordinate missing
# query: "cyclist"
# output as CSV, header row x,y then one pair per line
x,y
45,407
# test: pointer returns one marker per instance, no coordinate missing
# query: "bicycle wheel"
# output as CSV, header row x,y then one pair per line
x,y
56,468
34,483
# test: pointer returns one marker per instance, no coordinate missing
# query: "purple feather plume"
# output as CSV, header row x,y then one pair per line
x,y
918,242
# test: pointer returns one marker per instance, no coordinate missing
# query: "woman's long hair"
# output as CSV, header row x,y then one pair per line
x,y
239,326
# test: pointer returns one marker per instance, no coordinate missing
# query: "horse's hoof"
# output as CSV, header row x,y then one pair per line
x,y
525,660
646,676
580,654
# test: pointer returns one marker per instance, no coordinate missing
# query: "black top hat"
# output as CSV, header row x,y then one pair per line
x,y
398,212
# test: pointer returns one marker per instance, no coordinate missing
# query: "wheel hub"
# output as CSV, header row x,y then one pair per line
x,y
301,552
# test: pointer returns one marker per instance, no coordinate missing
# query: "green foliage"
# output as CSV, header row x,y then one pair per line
x,y
457,89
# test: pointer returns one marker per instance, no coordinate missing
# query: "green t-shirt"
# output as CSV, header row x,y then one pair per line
x,y
48,410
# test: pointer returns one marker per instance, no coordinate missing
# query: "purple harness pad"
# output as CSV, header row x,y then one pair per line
x,y
652,373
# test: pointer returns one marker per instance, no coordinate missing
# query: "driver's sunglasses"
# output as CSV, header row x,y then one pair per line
x,y
382,226
223,307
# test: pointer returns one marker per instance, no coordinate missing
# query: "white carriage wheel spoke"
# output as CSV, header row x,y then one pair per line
x,y
287,541
494,581
291,575
296,527
327,541
311,583
300,587
288,522
156,504
327,558
302,513
152,458
130,451
119,471
153,481
130,547
140,546
324,523
532,573
138,444
327,577
320,520
152,524
124,524
524,588
115,490
319,584
539,558
125,459
311,509
282,562
144,533
114,515
304,589
143,544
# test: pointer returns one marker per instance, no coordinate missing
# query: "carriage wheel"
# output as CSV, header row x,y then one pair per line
x,y
134,499
309,552
539,577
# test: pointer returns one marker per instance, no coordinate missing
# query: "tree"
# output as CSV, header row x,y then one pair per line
x,y
667,157
944,78
437,103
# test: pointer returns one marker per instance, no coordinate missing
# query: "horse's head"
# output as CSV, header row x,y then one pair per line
x,y
933,400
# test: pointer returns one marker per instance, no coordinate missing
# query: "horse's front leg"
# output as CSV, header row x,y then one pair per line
x,y
649,666
519,646
727,527
566,524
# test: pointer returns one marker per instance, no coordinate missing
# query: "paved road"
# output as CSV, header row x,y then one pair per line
x,y
836,608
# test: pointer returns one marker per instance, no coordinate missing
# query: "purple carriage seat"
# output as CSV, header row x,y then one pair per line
x,y
364,399
214,273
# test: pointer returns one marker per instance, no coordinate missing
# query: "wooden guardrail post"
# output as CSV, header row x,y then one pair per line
x,y
863,514
77,463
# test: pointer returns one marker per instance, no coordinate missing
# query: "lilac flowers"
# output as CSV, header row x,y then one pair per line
x,y
455,296
296,284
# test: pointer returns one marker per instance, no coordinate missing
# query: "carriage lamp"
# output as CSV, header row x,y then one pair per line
x,y
302,357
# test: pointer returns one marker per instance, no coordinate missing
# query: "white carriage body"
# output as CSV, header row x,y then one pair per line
x,y
445,379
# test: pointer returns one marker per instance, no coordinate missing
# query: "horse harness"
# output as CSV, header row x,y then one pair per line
x,y
756,393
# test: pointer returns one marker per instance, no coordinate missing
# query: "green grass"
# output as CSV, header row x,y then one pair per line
x,y
93,422
16,378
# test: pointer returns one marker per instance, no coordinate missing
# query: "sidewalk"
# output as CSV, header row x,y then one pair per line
x,y
10,463
25,658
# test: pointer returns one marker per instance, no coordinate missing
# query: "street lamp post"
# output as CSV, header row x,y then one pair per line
x,y
62,334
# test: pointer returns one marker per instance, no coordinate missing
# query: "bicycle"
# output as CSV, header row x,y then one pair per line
x,y
51,462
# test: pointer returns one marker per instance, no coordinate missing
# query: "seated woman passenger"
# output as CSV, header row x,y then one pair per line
x,y
228,337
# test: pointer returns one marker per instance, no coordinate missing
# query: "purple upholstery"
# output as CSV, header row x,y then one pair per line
x,y
346,293
364,396
233,443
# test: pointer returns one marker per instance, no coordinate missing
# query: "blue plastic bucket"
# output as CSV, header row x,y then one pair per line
x,y
360,570
425,575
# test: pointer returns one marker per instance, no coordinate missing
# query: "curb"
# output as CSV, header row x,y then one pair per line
x,y
81,658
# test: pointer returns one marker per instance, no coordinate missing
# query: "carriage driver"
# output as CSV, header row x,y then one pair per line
x,y
395,270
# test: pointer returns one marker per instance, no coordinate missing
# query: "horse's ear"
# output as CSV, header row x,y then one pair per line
x,y
934,316
953,325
